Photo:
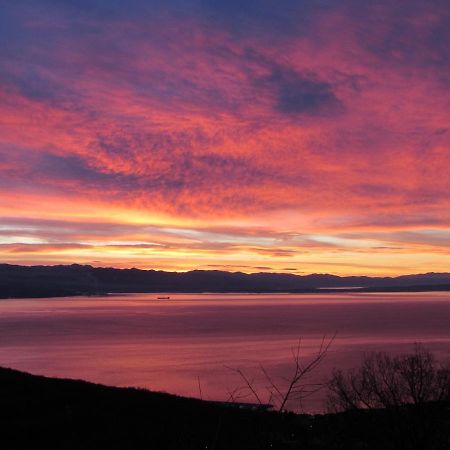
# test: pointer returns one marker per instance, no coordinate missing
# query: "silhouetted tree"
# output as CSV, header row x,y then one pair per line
x,y
411,389
284,390
384,381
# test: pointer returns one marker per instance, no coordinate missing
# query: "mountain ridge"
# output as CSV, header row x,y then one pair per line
x,y
77,279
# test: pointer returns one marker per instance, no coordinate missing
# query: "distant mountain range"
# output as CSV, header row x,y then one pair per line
x,y
48,281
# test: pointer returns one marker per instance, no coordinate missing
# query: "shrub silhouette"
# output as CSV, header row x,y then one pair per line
x,y
384,381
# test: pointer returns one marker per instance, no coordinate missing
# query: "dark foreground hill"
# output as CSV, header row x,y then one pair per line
x,y
46,281
44,413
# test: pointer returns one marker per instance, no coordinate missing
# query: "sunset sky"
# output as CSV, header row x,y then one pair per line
x,y
292,136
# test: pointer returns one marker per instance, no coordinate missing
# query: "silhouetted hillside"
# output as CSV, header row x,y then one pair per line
x,y
43,281
43,413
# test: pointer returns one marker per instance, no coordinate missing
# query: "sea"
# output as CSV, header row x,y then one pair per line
x,y
211,346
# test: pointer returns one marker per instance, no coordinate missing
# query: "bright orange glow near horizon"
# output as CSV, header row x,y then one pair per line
x,y
312,137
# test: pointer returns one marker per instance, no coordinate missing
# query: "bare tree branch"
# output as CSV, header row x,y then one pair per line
x,y
247,382
290,388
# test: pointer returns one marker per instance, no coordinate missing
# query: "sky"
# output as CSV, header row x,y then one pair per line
x,y
297,136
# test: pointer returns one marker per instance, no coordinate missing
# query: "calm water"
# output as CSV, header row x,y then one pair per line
x,y
184,344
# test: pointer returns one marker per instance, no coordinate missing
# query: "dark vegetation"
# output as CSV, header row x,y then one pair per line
x,y
407,389
49,281
385,381
390,403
